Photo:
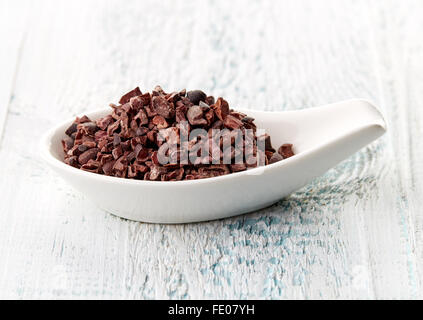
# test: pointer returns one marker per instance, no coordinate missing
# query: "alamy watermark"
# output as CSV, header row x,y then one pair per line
x,y
179,145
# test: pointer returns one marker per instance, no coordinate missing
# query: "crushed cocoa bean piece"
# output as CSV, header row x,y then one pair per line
x,y
196,96
221,109
232,122
285,150
72,161
126,97
71,129
67,144
195,116
90,154
162,107
238,167
275,158
159,122
131,141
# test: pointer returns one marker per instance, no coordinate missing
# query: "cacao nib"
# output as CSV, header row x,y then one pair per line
x,y
116,139
103,123
91,166
238,167
195,116
142,116
196,96
72,161
275,158
161,107
90,154
159,122
126,97
71,129
87,127
285,150
221,108
209,100
117,152
232,122
153,137
107,167
67,144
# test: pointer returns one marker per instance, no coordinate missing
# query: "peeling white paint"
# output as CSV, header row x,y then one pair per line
x,y
354,233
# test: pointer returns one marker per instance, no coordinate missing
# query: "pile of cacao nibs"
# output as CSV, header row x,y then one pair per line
x,y
129,141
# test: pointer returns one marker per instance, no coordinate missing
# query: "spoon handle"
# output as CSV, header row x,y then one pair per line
x,y
350,124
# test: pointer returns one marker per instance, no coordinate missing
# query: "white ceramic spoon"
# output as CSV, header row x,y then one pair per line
x,y
321,136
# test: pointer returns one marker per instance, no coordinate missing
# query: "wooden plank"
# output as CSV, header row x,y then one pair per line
x,y
354,233
12,35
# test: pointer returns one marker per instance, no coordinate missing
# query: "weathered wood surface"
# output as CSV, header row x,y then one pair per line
x,y
356,232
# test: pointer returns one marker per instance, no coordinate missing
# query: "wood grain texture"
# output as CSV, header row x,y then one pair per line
x,y
12,34
356,232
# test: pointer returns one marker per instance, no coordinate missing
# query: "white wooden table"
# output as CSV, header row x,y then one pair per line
x,y
356,232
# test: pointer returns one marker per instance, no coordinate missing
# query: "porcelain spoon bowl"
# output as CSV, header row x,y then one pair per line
x,y
322,137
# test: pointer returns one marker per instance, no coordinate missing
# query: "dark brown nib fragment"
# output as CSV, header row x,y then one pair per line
x,y
125,98
195,116
90,154
285,150
221,109
275,158
128,142
196,96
